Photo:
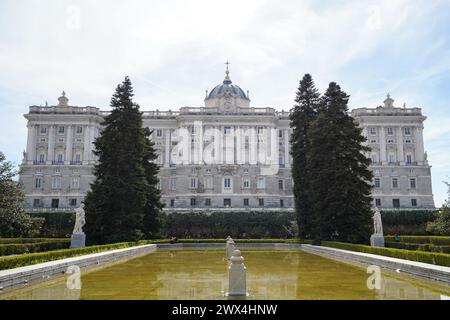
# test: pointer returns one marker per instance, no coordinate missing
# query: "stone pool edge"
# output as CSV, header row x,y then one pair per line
x,y
425,270
22,275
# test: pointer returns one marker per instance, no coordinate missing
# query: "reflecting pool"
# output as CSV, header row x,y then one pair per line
x,y
202,274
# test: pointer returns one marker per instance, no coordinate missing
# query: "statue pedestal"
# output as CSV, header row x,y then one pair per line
x,y
377,240
78,240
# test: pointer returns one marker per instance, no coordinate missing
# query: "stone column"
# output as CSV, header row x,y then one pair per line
x,y
400,155
287,146
87,144
167,148
51,144
383,158
69,144
252,145
238,146
419,150
31,144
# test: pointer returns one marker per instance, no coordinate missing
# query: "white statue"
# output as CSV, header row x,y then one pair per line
x,y
377,224
80,220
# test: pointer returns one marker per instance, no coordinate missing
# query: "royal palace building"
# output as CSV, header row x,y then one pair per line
x,y
225,154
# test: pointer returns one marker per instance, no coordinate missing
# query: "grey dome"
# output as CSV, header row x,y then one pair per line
x,y
227,87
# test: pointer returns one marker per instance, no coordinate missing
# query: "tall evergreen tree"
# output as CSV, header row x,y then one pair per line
x,y
124,188
339,174
153,205
302,115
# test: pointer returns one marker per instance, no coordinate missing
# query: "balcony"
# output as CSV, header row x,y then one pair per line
x,y
38,162
76,163
56,162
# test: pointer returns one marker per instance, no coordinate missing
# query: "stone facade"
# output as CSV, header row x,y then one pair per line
x,y
224,155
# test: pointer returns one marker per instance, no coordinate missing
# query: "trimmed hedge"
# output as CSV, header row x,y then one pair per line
x,y
29,240
407,221
418,246
40,257
441,259
436,240
21,248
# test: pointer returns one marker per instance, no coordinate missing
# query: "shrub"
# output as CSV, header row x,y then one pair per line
x,y
40,257
29,240
436,240
403,221
21,248
442,259
417,246
55,224
236,224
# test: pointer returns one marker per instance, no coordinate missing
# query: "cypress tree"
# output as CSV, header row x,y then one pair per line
x,y
118,202
302,115
339,174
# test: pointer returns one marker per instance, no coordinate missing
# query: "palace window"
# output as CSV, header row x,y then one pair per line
x,y
280,184
246,183
261,202
260,130
227,183
394,183
56,182
173,184
37,183
412,183
41,158
61,130
281,203
246,203
390,131
55,203
159,133
43,131
280,133
37,203
193,183
377,183
79,130
408,158
208,202
75,183
261,184
226,130
373,131
77,157
377,202
281,160
60,157
396,203
73,202
227,203
172,203
407,131
413,202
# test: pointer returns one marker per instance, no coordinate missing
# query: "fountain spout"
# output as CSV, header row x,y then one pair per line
x,y
230,247
237,280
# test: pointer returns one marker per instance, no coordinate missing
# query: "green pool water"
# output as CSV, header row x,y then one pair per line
x,y
202,274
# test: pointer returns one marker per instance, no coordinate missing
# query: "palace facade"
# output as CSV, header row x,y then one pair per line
x,y
225,154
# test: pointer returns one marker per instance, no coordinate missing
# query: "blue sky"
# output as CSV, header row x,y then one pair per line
x,y
174,50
